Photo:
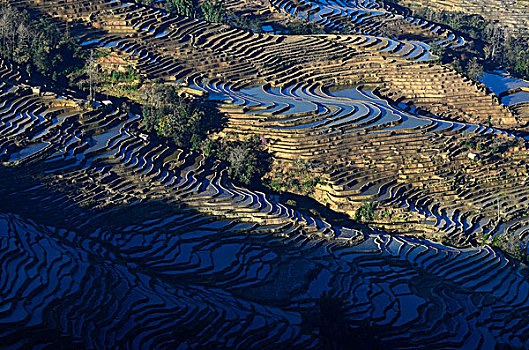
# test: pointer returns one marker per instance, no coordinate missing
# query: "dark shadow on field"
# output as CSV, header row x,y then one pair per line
x,y
329,321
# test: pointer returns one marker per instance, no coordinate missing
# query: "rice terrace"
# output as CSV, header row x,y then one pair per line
x,y
264,174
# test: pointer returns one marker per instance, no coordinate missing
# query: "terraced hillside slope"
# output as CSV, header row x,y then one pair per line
x,y
122,250
412,163
97,158
367,17
513,15
366,149
111,237
175,48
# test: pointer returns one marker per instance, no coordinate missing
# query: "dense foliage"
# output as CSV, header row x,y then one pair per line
x,y
493,44
515,55
245,22
301,179
186,123
246,161
366,212
213,11
186,8
38,45
182,120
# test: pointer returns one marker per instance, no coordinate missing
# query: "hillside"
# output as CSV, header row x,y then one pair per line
x,y
304,174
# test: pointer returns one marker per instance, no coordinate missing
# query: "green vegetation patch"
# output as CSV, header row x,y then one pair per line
x,y
39,45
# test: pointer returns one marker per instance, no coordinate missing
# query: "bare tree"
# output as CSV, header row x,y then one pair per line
x,y
23,34
91,66
3,27
474,69
496,37
67,32
7,27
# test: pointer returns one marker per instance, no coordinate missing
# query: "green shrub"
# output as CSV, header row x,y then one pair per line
x,y
246,160
366,212
186,8
213,11
291,203
184,121
39,45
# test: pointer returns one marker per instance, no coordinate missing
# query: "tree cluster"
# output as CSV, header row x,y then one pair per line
x,y
366,212
514,54
512,245
38,45
301,179
246,160
187,122
211,10
495,45
184,121
186,8
251,23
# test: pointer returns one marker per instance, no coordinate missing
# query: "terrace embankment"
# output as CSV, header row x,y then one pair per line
x,y
111,239
363,149
368,18
115,226
422,172
513,15
175,48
